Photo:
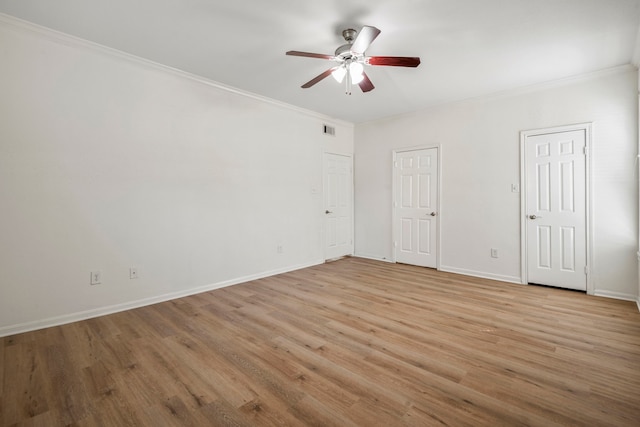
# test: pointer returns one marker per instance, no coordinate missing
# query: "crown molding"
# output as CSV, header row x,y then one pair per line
x,y
22,26
522,90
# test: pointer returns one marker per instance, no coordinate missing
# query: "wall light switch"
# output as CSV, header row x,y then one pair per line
x,y
515,188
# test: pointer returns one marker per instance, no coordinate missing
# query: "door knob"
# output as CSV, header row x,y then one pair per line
x,y
328,211
433,214
534,217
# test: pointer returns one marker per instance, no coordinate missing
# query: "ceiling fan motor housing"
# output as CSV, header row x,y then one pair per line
x,y
344,51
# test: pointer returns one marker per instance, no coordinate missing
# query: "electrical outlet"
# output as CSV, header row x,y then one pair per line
x,y
280,249
133,273
515,188
494,253
96,277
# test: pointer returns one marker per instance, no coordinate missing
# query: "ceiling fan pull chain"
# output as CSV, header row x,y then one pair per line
x,y
348,88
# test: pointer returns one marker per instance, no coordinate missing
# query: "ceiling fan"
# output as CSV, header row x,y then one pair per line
x,y
351,60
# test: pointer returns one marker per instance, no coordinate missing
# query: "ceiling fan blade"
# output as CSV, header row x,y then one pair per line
x,y
363,40
309,54
366,84
318,78
394,61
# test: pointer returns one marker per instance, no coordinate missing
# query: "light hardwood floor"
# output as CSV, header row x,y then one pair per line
x,y
350,343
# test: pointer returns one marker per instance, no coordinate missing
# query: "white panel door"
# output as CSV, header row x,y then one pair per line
x,y
555,173
416,207
338,205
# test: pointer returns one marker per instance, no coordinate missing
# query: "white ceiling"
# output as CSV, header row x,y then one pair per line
x,y
468,48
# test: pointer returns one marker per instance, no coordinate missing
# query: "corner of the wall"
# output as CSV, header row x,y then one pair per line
x,y
635,59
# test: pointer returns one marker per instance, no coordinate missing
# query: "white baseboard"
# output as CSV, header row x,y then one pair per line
x,y
373,257
638,298
103,311
616,295
481,274
448,269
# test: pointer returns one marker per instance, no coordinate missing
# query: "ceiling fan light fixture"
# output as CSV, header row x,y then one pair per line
x,y
356,71
339,73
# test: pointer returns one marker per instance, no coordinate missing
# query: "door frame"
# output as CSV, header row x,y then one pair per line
x,y
587,127
324,193
394,154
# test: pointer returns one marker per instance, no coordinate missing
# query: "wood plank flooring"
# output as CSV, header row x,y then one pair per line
x,y
350,343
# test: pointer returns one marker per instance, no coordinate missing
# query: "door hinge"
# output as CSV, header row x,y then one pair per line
x,y
586,270
396,164
585,150
395,244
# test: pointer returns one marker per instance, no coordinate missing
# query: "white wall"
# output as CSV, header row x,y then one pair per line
x,y
108,162
481,159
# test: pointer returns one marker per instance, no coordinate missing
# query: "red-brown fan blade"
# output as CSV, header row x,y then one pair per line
x,y
363,40
366,84
394,61
309,54
318,78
